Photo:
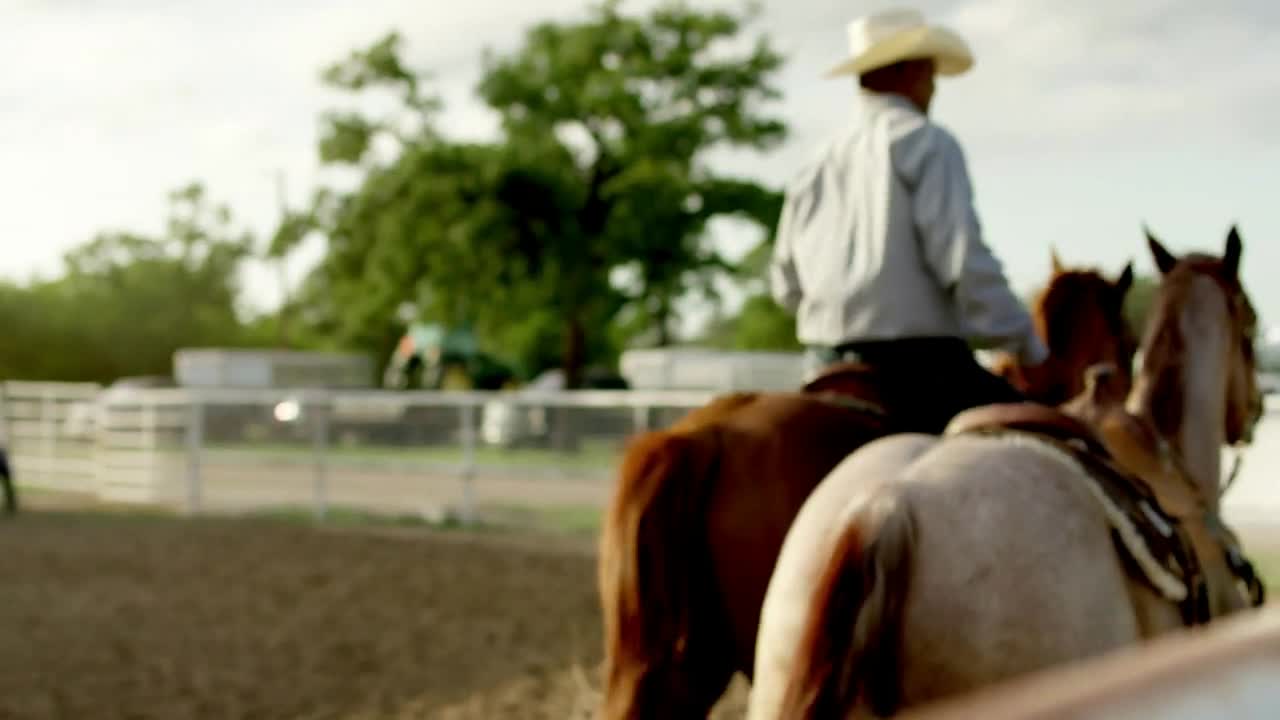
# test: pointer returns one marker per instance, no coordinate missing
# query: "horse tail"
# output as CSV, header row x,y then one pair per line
x,y
850,648
649,551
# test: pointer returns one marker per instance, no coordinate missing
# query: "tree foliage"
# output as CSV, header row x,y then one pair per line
x,y
1138,302
128,300
601,167
636,104
760,324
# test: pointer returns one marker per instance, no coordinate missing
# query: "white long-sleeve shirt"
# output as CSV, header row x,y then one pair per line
x,y
879,240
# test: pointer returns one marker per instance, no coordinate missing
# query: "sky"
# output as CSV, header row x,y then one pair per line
x,y
1081,120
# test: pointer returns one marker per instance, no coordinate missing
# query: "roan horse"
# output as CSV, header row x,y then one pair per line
x,y
701,510
924,567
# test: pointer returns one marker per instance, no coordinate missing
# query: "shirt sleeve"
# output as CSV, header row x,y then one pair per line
x,y
952,247
784,282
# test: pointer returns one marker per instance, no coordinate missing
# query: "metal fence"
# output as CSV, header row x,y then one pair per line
x,y
516,456
520,457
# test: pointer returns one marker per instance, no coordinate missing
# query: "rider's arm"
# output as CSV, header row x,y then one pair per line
x,y
784,282
952,247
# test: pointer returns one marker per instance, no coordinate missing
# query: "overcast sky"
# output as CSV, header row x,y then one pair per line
x,y
1081,119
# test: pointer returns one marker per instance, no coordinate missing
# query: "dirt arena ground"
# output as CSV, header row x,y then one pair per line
x,y
108,616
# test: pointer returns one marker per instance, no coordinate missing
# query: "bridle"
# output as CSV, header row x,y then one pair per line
x,y
1239,450
1243,321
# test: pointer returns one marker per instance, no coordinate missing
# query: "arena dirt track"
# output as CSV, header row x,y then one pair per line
x,y
125,617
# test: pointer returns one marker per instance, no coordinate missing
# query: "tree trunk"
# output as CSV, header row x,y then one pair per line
x,y
564,438
662,319
575,342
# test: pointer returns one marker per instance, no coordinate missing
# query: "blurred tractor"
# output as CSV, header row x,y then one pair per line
x,y
431,357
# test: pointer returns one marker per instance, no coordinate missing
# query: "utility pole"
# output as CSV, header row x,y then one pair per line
x,y
282,315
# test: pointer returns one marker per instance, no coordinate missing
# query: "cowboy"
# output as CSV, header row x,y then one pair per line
x,y
879,252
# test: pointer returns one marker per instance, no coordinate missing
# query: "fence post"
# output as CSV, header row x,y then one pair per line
x,y
319,449
468,470
49,430
149,431
640,419
195,444
98,446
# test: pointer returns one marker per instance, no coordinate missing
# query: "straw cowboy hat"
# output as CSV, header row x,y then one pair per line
x,y
893,36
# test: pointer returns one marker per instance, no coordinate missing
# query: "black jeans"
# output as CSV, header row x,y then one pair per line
x,y
927,381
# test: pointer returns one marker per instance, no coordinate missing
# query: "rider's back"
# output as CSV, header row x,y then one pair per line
x,y
854,227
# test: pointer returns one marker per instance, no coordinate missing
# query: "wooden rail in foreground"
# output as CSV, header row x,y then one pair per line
x,y
1230,670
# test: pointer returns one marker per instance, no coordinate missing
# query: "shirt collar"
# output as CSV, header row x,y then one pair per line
x,y
875,102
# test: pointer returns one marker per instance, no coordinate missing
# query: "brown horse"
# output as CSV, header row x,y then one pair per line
x,y
701,509
1059,379
924,567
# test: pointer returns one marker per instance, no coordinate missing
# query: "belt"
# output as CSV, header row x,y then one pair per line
x,y
903,350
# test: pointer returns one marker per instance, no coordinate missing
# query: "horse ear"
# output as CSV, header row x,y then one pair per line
x,y
1164,259
1125,281
1057,262
1231,258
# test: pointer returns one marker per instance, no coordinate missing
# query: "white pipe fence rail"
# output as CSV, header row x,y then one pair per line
x,y
434,454
30,420
428,452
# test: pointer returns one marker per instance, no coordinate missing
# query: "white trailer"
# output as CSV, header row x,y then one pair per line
x,y
714,370
252,368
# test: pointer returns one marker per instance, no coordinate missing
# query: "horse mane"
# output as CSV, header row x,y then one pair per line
x,y
1163,345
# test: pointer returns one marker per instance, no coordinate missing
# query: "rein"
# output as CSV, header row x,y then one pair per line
x,y
1237,459
1238,452
1240,566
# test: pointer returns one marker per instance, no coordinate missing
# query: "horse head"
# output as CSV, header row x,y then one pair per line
x,y
1080,316
1201,338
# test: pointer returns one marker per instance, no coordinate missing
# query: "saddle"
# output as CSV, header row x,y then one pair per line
x,y
850,384
1158,521
1030,418
1146,534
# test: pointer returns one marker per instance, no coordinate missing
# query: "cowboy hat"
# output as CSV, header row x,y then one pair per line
x,y
892,36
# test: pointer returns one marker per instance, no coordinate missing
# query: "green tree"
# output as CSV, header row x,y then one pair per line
x,y
127,301
40,332
760,324
634,104
1139,301
405,235
607,125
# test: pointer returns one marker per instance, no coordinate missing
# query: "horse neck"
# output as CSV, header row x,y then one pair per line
x,y
1195,373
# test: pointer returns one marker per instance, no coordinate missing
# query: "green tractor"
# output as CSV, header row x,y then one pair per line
x,y
433,357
